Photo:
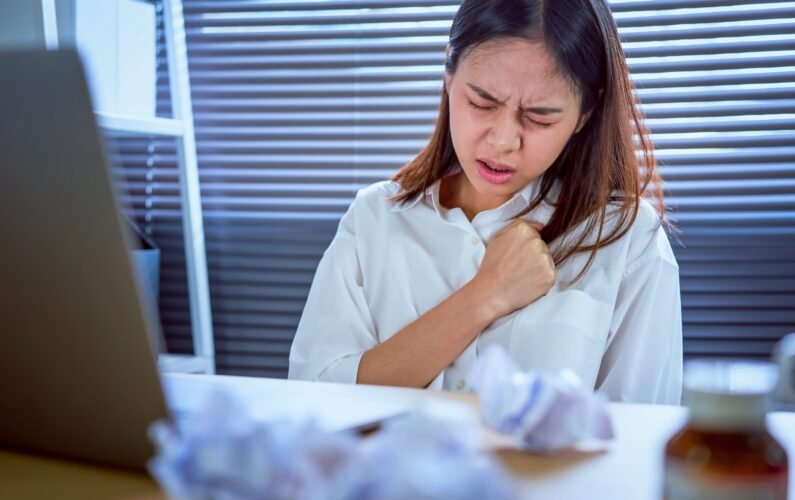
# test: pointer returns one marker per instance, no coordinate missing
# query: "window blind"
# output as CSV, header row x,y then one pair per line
x,y
717,82
298,104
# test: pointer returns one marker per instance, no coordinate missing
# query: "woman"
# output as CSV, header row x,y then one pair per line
x,y
523,223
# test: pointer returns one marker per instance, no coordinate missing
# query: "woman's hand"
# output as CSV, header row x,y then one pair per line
x,y
517,268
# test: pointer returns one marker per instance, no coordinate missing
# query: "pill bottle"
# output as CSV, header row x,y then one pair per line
x,y
724,449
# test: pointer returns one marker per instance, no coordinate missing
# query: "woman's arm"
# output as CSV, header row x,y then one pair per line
x,y
415,355
516,270
643,360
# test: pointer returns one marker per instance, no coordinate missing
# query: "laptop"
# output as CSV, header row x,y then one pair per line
x,y
78,373
77,370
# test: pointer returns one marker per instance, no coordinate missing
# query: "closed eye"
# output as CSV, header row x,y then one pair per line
x,y
489,108
540,124
482,108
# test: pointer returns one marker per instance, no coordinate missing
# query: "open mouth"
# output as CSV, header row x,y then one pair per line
x,y
494,174
498,170
494,168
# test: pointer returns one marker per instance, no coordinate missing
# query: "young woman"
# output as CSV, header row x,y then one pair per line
x,y
522,223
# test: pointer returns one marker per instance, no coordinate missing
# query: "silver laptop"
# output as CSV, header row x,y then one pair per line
x,y
77,370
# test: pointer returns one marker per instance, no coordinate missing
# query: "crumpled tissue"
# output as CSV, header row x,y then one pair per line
x,y
543,413
226,455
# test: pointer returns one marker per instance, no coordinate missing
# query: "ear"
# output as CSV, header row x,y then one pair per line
x,y
585,117
583,120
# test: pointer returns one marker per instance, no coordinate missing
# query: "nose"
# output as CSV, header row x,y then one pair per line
x,y
505,134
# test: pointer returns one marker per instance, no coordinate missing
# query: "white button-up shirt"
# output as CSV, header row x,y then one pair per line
x,y
618,328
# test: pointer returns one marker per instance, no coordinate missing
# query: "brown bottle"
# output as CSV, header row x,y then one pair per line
x,y
725,451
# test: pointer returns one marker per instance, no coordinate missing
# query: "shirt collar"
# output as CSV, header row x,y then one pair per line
x,y
521,199
431,191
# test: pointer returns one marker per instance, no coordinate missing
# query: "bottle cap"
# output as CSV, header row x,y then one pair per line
x,y
728,394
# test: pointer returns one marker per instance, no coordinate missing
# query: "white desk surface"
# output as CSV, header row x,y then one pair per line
x,y
631,469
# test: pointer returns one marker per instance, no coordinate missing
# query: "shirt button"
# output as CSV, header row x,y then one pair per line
x,y
460,385
475,240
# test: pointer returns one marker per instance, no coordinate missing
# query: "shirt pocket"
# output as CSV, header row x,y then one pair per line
x,y
565,330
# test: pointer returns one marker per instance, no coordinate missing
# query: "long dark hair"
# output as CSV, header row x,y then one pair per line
x,y
609,161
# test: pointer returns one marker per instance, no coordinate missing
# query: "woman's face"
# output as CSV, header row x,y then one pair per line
x,y
511,114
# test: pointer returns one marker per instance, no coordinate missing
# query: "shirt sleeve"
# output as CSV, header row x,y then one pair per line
x,y
643,359
336,326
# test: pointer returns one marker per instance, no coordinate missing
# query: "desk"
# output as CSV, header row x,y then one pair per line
x,y
631,470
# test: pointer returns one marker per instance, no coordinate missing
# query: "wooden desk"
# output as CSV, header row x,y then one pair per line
x,y
631,470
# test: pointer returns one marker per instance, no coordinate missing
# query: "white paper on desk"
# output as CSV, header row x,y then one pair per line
x,y
188,396
544,413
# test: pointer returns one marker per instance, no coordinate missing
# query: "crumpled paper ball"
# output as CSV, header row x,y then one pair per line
x,y
223,454
429,455
544,413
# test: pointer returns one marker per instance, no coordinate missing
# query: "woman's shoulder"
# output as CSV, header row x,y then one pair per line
x,y
642,238
378,190
648,236
377,197
648,219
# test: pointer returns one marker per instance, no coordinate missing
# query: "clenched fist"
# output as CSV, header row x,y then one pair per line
x,y
517,268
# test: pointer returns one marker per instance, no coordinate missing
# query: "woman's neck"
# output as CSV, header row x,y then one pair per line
x,y
455,191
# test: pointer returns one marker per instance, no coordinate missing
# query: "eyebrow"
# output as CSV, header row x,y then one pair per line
x,y
538,110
